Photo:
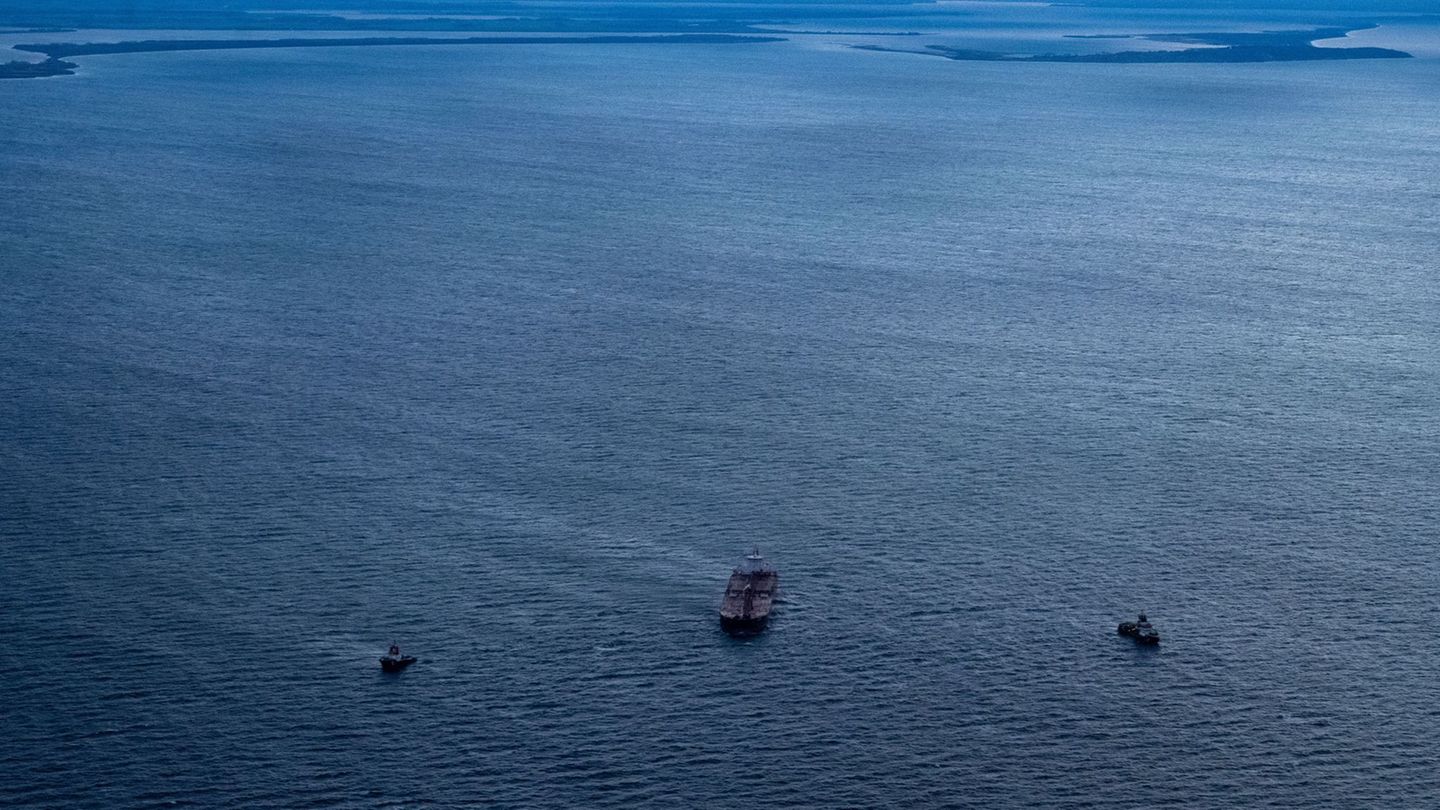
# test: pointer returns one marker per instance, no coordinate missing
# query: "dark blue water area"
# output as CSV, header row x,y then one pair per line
x,y
508,355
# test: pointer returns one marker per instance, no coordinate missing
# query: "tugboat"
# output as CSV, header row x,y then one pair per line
x,y
1142,631
393,661
749,595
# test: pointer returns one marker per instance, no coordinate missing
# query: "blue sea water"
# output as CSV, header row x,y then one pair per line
x,y
508,354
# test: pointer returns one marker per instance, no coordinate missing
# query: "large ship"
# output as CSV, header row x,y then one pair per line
x,y
749,596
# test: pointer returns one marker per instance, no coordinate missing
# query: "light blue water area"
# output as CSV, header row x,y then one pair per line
x,y
508,354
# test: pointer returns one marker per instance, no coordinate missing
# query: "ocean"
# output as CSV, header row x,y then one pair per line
x,y
509,354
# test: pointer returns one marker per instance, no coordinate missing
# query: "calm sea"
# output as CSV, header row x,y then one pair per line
x,y
508,354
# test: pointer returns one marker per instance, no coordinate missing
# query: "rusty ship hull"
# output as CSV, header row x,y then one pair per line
x,y
749,598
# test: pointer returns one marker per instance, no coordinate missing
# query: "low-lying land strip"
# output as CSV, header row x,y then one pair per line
x,y
1266,46
58,52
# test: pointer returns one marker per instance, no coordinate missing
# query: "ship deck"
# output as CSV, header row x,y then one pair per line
x,y
761,595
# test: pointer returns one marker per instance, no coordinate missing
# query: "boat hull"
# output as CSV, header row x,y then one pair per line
x,y
737,626
749,598
1131,630
396,664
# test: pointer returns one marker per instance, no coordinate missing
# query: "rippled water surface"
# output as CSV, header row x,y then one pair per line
x,y
509,354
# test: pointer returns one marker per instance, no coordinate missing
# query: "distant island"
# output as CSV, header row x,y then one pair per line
x,y
20,69
1266,46
57,52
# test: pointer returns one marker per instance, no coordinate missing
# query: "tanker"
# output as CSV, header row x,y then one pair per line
x,y
749,596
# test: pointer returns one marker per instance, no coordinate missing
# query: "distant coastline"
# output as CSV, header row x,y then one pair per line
x,y
58,52
1219,47
20,69
1265,46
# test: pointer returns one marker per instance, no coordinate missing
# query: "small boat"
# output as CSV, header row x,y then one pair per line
x,y
393,661
749,595
1142,631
